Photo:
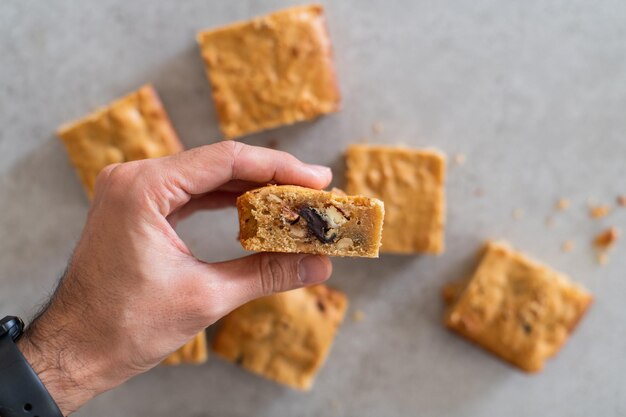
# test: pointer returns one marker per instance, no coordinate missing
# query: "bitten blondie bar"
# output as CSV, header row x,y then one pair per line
x,y
285,337
411,183
193,352
289,218
271,71
134,127
515,307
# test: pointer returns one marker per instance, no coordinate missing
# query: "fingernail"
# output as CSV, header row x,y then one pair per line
x,y
320,170
313,269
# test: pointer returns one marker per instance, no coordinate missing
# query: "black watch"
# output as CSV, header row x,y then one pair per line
x,y
21,391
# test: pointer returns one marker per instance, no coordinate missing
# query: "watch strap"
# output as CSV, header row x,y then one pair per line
x,y
21,391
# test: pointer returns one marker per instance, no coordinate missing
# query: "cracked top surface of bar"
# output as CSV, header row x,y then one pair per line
x,y
270,71
515,307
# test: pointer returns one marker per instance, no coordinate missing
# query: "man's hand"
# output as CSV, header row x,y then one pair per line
x,y
133,292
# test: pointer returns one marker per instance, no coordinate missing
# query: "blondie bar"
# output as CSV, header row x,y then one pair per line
x,y
134,127
515,307
289,218
411,183
271,71
285,337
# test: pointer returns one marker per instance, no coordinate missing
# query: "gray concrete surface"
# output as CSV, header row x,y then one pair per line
x,y
533,93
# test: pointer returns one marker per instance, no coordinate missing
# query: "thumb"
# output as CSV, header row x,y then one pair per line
x,y
264,274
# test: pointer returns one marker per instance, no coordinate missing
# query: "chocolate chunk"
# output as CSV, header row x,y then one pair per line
x,y
321,306
317,225
239,359
527,328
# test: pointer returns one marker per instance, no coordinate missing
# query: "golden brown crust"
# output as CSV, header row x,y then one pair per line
x,y
131,128
411,183
515,307
271,71
193,352
294,219
285,337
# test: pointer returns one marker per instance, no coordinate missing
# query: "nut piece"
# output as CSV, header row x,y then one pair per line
x,y
607,238
274,198
334,217
298,231
344,243
289,215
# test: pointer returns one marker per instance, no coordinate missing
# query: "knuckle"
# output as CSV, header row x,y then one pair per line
x,y
104,176
106,171
230,150
231,147
118,175
274,275
118,181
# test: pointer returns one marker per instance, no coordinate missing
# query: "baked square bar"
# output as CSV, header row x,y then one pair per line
x,y
133,127
193,352
289,218
515,307
411,183
285,337
271,71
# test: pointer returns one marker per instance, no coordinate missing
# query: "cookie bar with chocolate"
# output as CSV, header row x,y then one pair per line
x,y
271,71
133,127
289,218
285,337
411,183
193,352
515,307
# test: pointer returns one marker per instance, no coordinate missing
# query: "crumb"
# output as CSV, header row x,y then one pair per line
x,y
549,221
459,158
335,404
364,140
600,211
621,200
607,238
517,214
562,204
602,258
377,127
479,192
358,316
272,144
568,246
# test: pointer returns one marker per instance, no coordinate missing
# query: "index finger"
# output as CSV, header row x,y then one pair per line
x,y
206,168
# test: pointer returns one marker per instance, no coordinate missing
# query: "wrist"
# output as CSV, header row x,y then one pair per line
x,y
53,365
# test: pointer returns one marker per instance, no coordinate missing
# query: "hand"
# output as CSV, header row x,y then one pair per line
x,y
133,292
